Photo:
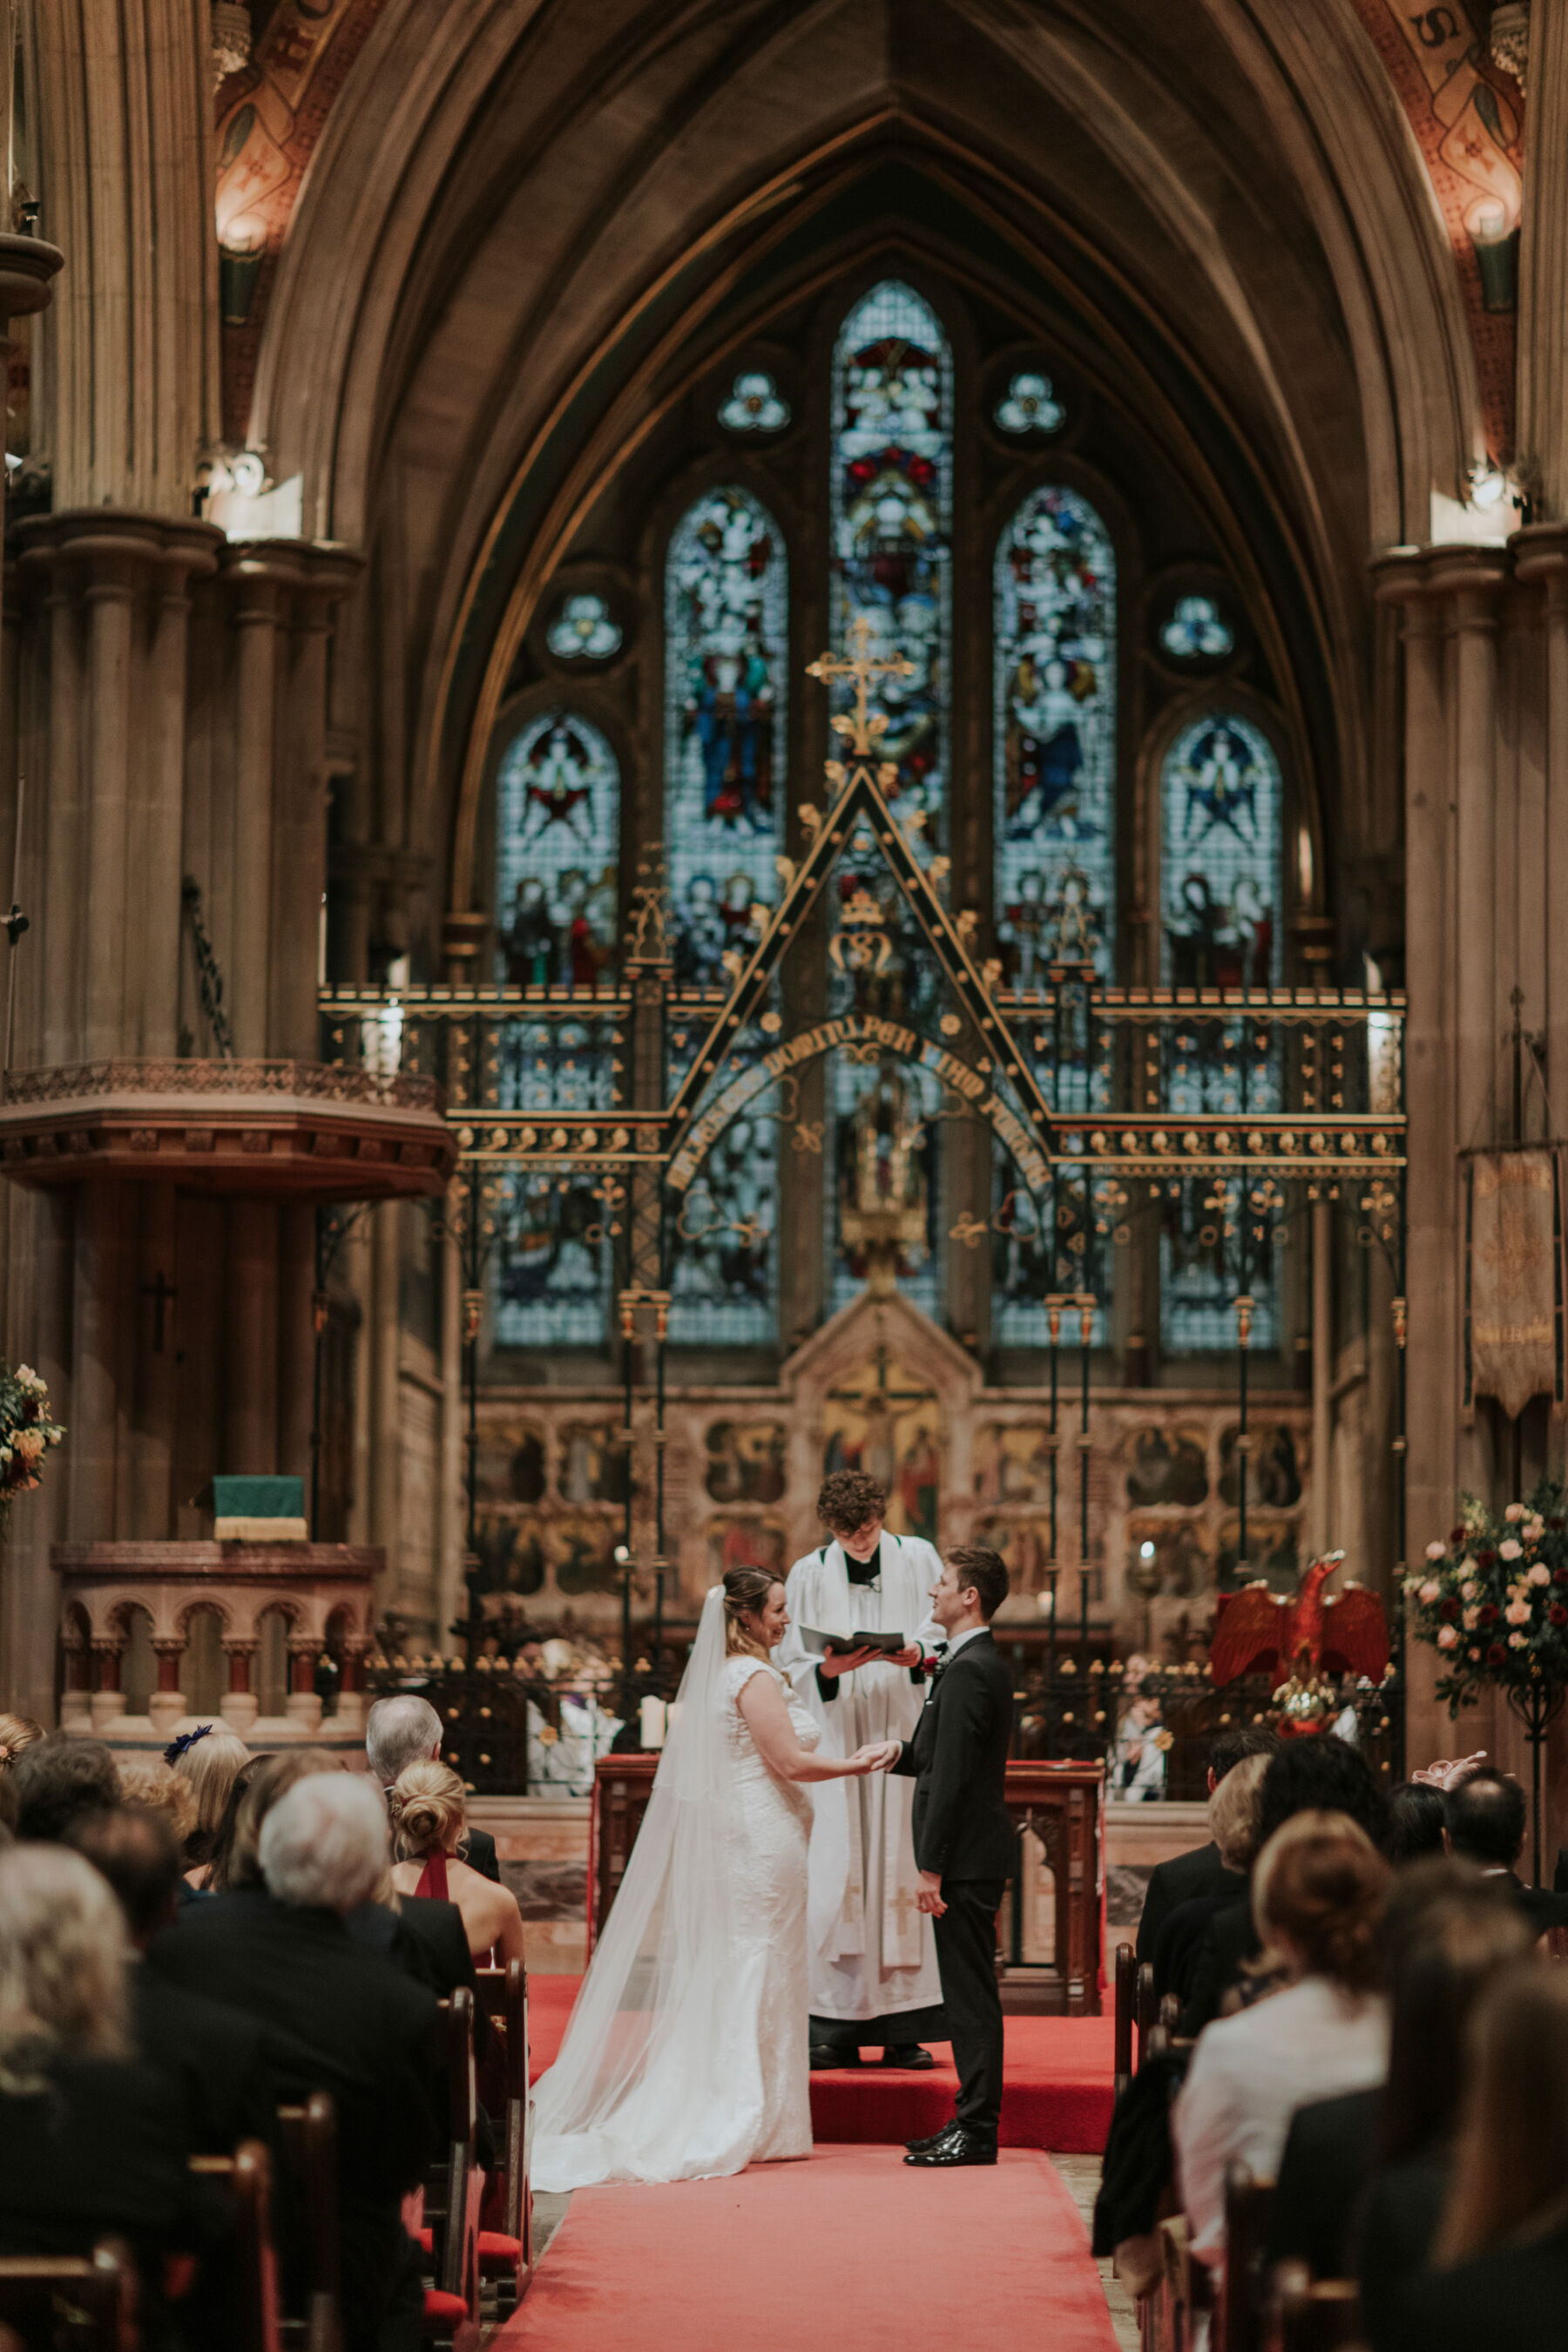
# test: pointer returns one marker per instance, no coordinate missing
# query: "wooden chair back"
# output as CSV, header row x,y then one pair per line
x,y
1308,2315
1148,2009
308,2137
74,2303
503,1996
256,2319
454,2185
1247,2201
1126,2003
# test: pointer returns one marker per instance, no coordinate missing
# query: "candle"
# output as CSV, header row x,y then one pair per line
x,y
652,1723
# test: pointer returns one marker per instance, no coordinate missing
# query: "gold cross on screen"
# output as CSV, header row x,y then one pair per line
x,y
863,725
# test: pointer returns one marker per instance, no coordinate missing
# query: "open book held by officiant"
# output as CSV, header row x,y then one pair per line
x,y
844,1645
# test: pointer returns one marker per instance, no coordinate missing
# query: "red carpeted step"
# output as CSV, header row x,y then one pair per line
x,y
1057,2082
851,2247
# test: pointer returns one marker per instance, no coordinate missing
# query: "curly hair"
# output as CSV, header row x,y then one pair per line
x,y
18,1732
148,1781
848,1499
63,1952
1233,1811
1320,1882
427,1808
746,1591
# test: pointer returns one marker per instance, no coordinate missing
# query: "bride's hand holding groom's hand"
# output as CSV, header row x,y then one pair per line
x,y
875,1756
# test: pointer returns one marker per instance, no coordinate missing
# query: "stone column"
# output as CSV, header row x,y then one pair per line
x,y
241,1705
1321,1536
167,1703
256,585
158,810
1541,561
155,1388
296,1338
107,1656
97,1306
299,828
303,1705
1541,364
1431,1272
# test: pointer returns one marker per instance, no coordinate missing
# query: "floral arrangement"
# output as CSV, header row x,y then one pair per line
x,y
26,1433
1493,1601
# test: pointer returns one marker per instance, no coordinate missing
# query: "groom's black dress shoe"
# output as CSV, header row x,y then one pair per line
x,y
826,2057
918,2147
910,2055
958,2145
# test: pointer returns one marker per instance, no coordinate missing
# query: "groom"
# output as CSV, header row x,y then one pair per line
x,y
966,1843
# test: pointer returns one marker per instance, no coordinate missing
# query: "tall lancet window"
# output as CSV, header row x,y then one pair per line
x,y
891,529
891,518
726,670
558,803
726,619
1221,820
1054,743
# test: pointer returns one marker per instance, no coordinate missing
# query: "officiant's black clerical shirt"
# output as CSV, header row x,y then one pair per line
x,y
862,1573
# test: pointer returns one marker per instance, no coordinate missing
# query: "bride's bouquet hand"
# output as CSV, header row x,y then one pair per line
x,y
875,1757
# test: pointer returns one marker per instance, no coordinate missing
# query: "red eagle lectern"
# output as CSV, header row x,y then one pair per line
x,y
1344,1632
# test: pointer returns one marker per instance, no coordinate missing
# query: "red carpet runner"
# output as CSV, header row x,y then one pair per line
x,y
851,2249
1057,2082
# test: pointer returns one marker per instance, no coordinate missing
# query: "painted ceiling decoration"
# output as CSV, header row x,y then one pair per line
x,y
270,118
1468,115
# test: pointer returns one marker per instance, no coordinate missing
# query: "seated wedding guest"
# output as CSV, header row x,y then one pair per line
x,y
1415,1823
1323,1774
406,1730
1484,1817
369,2035
1442,1955
1444,1934
1135,1769
1233,1812
223,1842
271,1778
1316,1888
219,2057
1498,2274
429,1825
209,1760
57,1780
1188,1876
92,2143
18,1732
148,1781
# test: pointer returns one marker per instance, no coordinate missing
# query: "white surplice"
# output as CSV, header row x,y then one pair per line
x,y
872,1953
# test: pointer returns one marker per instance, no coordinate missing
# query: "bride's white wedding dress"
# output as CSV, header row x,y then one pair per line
x,y
687,2054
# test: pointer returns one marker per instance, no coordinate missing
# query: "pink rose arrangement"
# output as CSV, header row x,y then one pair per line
x,y
1493,1599
27,1432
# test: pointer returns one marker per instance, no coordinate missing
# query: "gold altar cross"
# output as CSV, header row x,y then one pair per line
x,y
864,725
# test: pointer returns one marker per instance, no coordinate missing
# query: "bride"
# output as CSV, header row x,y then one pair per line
x,y
687,2054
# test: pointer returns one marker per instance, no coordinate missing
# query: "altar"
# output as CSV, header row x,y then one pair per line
x,y
1050,1937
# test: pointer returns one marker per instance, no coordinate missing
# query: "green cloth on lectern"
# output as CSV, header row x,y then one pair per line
x,y
258,1498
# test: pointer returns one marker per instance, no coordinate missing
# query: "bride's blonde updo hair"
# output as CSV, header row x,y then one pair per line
x,y
428,1813
746,1591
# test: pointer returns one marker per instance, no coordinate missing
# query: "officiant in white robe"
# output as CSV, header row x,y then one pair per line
x,y
872,1954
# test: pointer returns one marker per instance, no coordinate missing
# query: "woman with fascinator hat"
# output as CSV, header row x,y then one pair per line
x,y
686,2055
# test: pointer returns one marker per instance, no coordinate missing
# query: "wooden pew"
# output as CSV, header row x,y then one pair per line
x,y
453,2188
74,2302
309,2138
506,2255
1126,2004
1148,2009
249,2172
1308,2315
1247,2206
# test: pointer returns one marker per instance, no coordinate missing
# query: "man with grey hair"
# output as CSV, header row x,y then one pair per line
x,y
365,2032
406,1730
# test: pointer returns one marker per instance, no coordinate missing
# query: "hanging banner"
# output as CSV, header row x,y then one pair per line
x,y
1513,1283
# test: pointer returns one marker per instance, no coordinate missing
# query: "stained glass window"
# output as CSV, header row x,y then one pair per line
x,y
558,807
726,662
1055,740
1219,858
724,1249
1221,816
552,1267
583,630
891,521
1196,631
1030,405
756,405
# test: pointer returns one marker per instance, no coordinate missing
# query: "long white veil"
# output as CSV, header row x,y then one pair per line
x,y
644,2063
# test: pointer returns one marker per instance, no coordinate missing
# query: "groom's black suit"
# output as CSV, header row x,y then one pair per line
x,y
958,1761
